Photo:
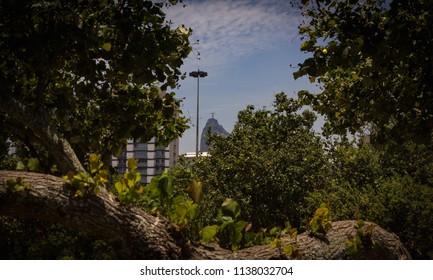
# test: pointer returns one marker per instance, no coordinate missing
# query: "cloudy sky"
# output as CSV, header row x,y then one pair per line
x,y
247,48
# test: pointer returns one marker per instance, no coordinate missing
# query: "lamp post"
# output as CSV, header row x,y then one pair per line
x,y
197,74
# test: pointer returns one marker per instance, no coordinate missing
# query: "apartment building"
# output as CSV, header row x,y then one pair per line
x,y
152,159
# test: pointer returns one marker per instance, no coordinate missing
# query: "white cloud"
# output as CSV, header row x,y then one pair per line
x,y
228,30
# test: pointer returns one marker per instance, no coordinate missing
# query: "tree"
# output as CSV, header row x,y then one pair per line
x,y
82,76
269,163
135,234
373,61
390,185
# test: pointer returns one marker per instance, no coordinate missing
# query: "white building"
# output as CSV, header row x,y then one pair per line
x,y
152,159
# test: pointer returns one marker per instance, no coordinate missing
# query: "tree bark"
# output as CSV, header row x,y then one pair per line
x,y
44,133
135,234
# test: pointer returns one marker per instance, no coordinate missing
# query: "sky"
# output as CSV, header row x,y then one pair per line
x,y
249,48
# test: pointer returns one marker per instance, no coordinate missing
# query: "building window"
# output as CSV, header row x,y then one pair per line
x,y
140,154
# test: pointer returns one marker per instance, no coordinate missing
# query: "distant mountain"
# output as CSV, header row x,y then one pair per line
x,y
215,128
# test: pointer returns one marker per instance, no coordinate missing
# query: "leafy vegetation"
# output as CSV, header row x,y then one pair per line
x,y
371,74
82,77
160,197
232,233
362,238
321,221
268,164
390,185
17,185
31,239
79,77
85,183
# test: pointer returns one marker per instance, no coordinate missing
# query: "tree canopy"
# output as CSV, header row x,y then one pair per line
x,y
269,163
374,63
82,76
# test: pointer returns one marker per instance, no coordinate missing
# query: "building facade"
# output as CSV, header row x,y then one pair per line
x,y
152,159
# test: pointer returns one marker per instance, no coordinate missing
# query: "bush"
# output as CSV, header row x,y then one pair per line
x,y
384,186
268,164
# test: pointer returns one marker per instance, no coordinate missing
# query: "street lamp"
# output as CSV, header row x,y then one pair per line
x,y
197,74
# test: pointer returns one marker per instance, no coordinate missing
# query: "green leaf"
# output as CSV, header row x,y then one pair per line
x,y
208,233
231,208
275,231
240,226
331,23
10,183
288,249
192,210
165,185
276,242
225,224
33,164
53,168
120,187
79,193
236,234
322,211
195,191
250,238
20,166
94,162
107,46
181,211
179,199
132,164
307,45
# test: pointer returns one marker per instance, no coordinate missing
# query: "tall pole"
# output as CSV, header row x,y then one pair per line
x,y
198,117
197,74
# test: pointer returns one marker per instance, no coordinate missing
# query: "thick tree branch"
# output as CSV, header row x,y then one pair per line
x,y
44,133
135,234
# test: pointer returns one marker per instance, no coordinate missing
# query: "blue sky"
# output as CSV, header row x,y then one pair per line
x,y
247,47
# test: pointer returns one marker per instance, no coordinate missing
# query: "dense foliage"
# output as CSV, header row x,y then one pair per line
x,y
391,185
32,239
88,74
374,64
79,77
268,164
373,59
83,76
279,170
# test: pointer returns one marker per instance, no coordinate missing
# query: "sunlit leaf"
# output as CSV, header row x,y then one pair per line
x,y
195,191
288,249
33,164
107,46
231,208
20,166
208,233
132,164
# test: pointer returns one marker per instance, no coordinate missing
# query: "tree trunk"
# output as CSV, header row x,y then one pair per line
x,y
44,133
135,234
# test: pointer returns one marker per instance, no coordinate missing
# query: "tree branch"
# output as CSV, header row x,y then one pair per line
x,y
43,133
135,234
